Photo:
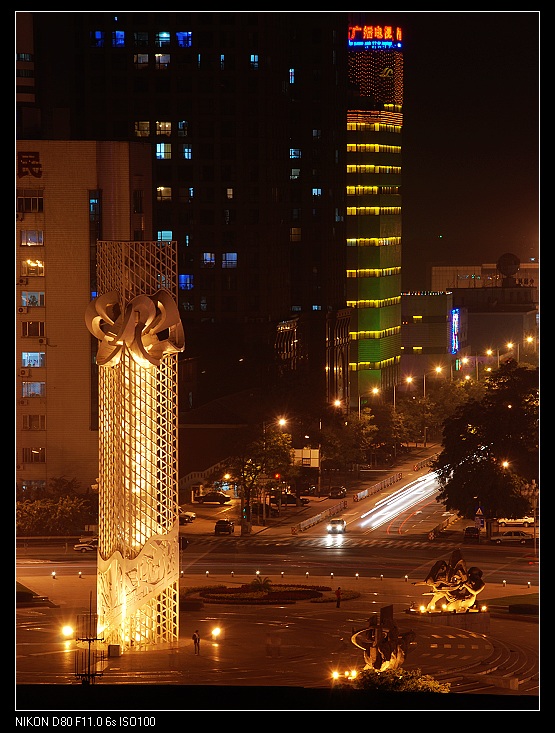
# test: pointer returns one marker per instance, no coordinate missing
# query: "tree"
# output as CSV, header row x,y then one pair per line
x,y
491,447
256,463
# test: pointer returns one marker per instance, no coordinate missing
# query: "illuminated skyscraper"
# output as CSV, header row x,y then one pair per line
x,y
374,128
136,321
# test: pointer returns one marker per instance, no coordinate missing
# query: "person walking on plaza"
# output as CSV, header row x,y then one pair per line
x,y
196,640
338,596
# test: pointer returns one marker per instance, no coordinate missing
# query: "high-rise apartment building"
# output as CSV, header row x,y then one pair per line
x,y
374,129
245,114
67,193
274,141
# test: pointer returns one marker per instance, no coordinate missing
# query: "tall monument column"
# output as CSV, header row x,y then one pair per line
x,y
136,321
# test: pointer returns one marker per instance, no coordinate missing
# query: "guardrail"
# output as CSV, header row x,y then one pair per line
x,y
378,487
317,518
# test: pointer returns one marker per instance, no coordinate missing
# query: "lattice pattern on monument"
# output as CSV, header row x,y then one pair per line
x,y
138,529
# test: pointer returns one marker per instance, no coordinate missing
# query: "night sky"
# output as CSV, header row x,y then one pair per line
x,y
470,138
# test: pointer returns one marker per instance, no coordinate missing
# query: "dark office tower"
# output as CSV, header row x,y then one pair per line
x,y
374,127
245,114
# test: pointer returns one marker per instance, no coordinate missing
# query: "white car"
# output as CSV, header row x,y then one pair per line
x,y
90,545
521,522
186,517
337,526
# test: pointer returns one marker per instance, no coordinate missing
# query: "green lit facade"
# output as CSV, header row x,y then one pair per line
x,y
374,134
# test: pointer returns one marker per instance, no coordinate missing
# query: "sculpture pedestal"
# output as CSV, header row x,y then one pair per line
x,y
470,620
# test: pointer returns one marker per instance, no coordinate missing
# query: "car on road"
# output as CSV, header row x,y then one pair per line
x,y
289,500
224,526
512,536
213,497
186,517
521,522
90,545
471,534
311,490
338,492
337,526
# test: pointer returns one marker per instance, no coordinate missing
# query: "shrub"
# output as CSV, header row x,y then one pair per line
x,y
398,680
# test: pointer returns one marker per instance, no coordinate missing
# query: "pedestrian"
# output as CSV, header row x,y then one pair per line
x,y
196,640
338,596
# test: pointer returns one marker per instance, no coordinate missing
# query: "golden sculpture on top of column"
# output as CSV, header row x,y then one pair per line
x,y
140,334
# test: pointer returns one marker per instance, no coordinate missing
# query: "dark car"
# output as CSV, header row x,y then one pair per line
x,y
471,534
512,536
289,500
309,490
213,497
258,508
224,526
338,492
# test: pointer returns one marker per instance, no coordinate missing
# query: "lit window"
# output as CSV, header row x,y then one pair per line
x,y
182,128
316,307
33,389
163,151
162,60
32,267
291,76
97,39
31,238
222,61
140,60
118,39
184,39
185,282
164,128
34,455
295,173
165,235
31,359
142,129
32,299
254,61
295,234
316,134
229,193
187,152
316,191
229,259
162,39
208,259
164,193
294,152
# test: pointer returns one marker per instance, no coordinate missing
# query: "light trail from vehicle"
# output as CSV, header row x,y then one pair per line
x,y
405,498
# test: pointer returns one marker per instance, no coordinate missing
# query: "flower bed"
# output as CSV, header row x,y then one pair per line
x,y
256,594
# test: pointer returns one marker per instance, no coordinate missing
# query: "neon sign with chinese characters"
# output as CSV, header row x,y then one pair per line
x,y
375,36
455,330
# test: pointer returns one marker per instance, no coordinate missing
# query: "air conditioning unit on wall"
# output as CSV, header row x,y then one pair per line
x,y
22,309
23,281
24,372
22,402
43,340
